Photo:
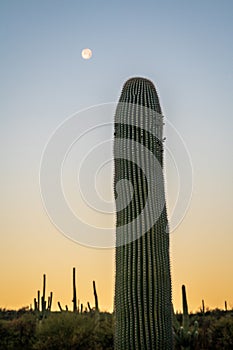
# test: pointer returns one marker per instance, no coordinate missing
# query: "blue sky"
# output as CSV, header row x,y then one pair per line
x,y
185,48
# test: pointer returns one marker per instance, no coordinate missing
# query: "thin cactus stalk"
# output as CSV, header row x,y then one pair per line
x,y
143,307
89,306
225,305
50,298
96,297
43,302
185,308
35,304
203,306
59,305
38,300
48,308
186,336
74,292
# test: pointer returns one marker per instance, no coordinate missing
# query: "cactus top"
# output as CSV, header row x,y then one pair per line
x,y
141,91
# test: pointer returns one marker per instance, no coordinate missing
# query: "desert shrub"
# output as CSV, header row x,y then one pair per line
x,y
55,331
66,330
4,334
18,333
222,333
96,333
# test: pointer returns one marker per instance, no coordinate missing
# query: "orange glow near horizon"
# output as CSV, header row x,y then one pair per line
x,y
205,276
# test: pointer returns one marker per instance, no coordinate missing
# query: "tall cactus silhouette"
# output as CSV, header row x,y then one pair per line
x,y
143,305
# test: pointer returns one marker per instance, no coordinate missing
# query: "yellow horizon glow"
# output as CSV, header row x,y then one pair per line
x,y
21,278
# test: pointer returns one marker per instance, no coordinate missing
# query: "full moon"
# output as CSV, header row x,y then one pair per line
x,y
86,54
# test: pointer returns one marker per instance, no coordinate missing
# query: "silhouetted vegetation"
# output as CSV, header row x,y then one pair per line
x,y
23,329
203,330
58,330
88,328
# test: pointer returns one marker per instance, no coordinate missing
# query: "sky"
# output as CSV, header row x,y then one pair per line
x,y
185,48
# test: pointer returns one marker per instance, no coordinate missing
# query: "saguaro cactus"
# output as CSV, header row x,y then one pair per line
x,y
43,301
96,297
74,300
143,306
185,336
40,302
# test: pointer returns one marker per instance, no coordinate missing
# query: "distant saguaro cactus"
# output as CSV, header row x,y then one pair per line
x,y
74,300
43,301
40,304
143,307
185,336
96,297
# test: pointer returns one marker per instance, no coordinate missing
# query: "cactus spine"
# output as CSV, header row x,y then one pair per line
x,y
143,285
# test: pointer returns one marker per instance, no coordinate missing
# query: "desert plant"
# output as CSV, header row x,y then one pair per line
x,y
185,335
61,331
221,331
40,302
143,307
74,300
96,297
18,333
